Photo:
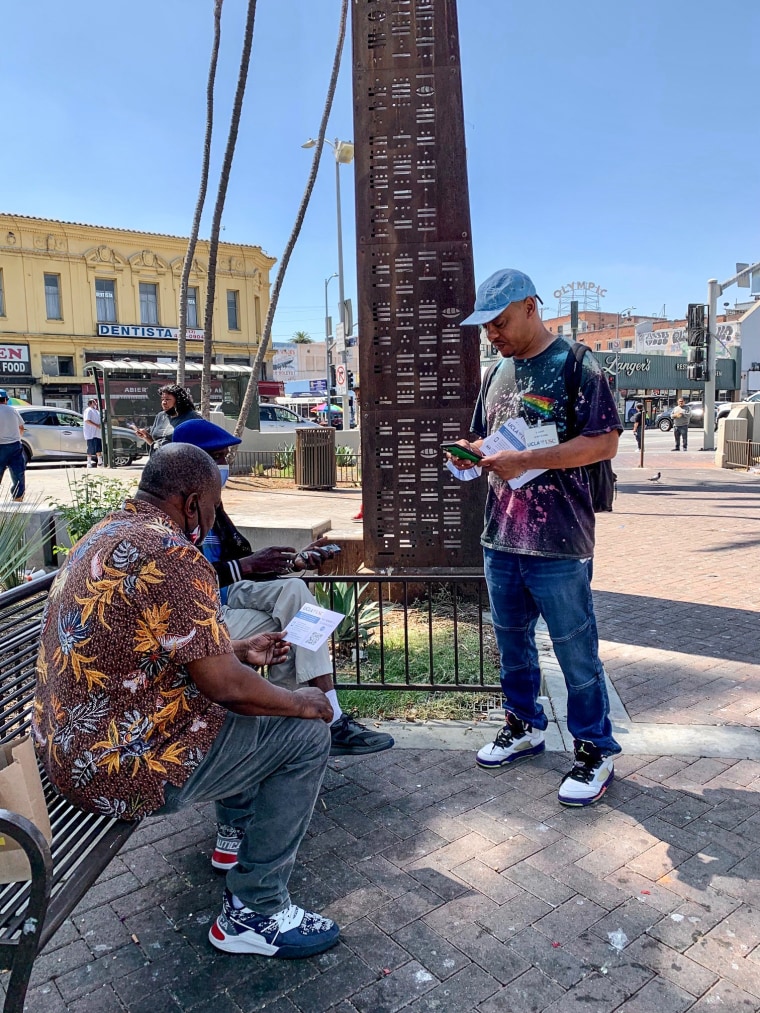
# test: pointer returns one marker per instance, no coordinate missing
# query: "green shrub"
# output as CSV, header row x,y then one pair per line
x,y
92,497
16,547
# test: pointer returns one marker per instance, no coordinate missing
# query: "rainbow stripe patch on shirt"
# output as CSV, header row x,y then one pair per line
x,y
542,405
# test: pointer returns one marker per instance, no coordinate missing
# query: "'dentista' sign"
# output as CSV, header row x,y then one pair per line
x,y
139,331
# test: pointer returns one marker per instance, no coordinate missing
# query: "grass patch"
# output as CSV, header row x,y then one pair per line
x,y
411,655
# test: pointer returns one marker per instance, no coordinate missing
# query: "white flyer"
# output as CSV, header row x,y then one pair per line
x,y
311,626
511,435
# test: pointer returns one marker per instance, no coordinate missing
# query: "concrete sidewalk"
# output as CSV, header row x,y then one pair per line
x,y
460,889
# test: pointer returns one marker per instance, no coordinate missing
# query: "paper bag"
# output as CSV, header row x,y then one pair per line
x,y
20,792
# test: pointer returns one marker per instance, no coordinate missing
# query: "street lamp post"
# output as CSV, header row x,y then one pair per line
x,y
621,313
344,155
328,343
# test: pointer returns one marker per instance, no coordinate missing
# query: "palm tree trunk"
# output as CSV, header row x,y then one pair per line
x,y
224,179
251,398
192,241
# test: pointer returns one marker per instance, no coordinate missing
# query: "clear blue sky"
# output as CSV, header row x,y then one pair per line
x,y
607,142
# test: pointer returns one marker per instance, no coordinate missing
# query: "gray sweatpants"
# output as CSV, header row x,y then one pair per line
x,y
260,606
264,774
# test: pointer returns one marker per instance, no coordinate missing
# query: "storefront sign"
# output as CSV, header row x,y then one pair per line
x,y
14,360
663,372
135,331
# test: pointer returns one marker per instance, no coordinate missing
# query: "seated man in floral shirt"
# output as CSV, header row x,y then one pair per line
x,y
144,704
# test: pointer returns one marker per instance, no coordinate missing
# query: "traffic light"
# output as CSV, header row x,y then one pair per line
x,y
350,379
331,379
696,332
696,338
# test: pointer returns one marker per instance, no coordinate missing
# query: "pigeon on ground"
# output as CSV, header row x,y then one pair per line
x,y
656,478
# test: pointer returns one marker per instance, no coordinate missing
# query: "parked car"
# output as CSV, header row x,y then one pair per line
x,y
664,421
55,434
273,418
725,407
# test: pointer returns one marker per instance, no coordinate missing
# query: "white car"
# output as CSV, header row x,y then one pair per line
x,y
273,418
726,406
57,434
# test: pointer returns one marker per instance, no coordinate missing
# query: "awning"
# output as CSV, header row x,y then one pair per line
x,y
135,366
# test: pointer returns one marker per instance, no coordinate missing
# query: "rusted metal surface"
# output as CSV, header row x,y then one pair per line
x,y
420,372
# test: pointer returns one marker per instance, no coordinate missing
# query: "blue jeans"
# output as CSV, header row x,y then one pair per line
x,y
681,433
520,589
12,456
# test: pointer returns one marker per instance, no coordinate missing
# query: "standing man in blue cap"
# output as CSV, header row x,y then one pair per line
x,y
11,450
538,542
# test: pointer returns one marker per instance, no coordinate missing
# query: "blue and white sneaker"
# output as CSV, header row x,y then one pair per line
x,y
289,934
515,741
590,777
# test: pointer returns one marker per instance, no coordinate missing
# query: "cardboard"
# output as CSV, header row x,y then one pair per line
x,y
20,792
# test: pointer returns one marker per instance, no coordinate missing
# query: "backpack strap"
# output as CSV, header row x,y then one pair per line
x,y
573,373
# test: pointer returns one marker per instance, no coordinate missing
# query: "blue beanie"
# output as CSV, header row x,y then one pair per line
x,y
206,435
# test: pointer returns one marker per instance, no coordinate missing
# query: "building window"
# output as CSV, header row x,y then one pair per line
x,y
105,300
560,329
2,296
233,321
192,307
148,303
627,344
257,315
53,296
58,365
598,346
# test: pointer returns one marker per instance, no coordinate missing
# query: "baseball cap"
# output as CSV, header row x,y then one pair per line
x,y
206,435
497,292
3,393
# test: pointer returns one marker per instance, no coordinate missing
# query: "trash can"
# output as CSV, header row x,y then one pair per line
x,y
315,464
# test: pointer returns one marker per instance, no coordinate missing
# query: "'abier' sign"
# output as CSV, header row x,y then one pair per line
x,y
14,360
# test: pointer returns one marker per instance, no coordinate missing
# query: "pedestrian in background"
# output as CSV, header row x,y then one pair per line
x,y
11,452
638,422
176,407
92,434
538,542
681,417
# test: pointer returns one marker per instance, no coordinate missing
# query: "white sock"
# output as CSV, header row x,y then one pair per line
x,y
332,696
237,902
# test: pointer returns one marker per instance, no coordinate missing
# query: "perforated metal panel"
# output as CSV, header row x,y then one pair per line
x,y
419,370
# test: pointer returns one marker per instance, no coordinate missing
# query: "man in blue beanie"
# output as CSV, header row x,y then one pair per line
x,y
259,594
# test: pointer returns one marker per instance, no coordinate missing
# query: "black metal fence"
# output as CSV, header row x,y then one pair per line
x,y
280,464
742,454
411,633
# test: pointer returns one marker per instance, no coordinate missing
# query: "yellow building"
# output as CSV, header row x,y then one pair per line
x,y
71,294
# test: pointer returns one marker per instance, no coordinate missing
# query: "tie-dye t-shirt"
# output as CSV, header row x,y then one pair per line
x,y
552,515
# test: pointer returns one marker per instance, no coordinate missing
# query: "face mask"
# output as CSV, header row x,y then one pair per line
x,y
224,473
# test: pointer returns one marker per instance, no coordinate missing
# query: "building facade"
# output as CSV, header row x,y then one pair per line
x,y
72,294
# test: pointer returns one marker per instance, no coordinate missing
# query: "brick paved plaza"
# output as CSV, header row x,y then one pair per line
x,y
461,889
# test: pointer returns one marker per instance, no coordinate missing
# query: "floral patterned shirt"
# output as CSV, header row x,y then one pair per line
x,y
116,713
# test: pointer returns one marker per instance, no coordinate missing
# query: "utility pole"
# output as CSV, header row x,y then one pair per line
x,y
714,290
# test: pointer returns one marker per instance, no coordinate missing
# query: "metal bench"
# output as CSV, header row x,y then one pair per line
x,y
83,844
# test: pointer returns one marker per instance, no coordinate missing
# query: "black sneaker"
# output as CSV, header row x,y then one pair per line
x,y
590,777
349,738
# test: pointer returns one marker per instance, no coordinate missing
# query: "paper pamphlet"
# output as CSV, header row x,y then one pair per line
x,y
514,434
311,626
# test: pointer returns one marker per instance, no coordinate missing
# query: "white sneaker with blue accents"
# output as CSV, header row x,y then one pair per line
x,y
590,777
289,934
515,741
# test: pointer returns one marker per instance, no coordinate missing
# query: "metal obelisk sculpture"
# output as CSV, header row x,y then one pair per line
x,y
419,372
